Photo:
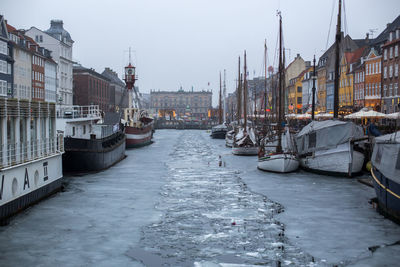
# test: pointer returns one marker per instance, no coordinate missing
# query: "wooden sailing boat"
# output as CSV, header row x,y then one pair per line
x,y
329,147
219,131
244,142
282,159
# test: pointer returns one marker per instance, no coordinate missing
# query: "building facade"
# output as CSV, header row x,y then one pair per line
x,y
359,85
6,61
119,96
191,104
373,80
293,70
390,66
59,41
307,85
91,88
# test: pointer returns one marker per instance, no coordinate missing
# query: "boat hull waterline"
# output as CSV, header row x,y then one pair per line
x,y
138,137
388,195
281,163
245,151
338,161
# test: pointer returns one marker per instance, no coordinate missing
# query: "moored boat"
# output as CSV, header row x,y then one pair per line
x,y
89,145
330,147
386,174
30,154
219,131
138,128
229,138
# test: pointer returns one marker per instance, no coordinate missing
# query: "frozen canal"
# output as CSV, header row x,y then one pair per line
x,y
172,204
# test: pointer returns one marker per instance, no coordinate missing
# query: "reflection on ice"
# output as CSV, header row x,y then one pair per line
x,y
211,218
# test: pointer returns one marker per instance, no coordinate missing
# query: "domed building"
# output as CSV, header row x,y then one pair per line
x,y
59,41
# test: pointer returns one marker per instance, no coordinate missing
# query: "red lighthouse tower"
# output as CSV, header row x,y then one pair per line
x,y
130,75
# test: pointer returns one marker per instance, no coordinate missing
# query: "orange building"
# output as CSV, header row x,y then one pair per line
x,y
373,70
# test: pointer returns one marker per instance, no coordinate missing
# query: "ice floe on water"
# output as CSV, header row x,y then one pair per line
x,y
211,218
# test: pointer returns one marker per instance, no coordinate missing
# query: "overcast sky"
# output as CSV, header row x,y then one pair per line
x,y
187,42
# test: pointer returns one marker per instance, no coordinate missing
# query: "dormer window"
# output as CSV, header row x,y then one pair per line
x,y
390,36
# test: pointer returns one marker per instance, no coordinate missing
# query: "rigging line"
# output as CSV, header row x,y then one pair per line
x,y
346,29
330,24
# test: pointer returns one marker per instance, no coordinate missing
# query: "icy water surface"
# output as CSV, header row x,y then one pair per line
x,y
211,216
187,201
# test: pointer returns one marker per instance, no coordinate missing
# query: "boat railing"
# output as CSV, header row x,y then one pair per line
x,y
12,154
75,111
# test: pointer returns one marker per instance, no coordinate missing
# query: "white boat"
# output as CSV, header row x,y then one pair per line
x,y
30,154
277,155
329,147
244,143
283,162
229,138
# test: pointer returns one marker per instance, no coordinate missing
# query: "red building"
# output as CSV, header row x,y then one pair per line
x,y
91,88
391,77
38,59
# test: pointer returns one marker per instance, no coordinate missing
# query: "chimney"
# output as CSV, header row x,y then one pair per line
x,y
367,36
387,25
298,55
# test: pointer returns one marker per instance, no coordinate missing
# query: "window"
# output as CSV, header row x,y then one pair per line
x,y
299,88
3,48
299,101
367,68
390,71
396,70
3,66
41,38
390,89
385,54
391,52
385,90
396,51
396,89
73,131
384,72
3,88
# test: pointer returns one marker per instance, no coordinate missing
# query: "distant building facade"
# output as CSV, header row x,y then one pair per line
x,y
6,61
390,65
119,96
59,41
91,88
194,104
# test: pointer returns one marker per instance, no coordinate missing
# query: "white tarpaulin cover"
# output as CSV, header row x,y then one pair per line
x,y
319,135
386,155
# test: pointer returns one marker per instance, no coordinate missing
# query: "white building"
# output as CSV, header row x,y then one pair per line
x,y
307,85
59,41
50,81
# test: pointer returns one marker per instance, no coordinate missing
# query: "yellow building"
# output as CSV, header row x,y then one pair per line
x,y
321,95
298,93
346,84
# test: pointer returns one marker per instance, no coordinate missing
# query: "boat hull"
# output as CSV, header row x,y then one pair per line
x,y
138,137
26,184
245,151
341,160
218,134
388,195
281,163
93,155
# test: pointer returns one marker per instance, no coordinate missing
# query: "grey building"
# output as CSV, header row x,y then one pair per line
x,y
118,93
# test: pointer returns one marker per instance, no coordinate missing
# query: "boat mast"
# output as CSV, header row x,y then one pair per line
x,y
279,146
220,100
245,92
337,51
224,98
265,82
239,95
